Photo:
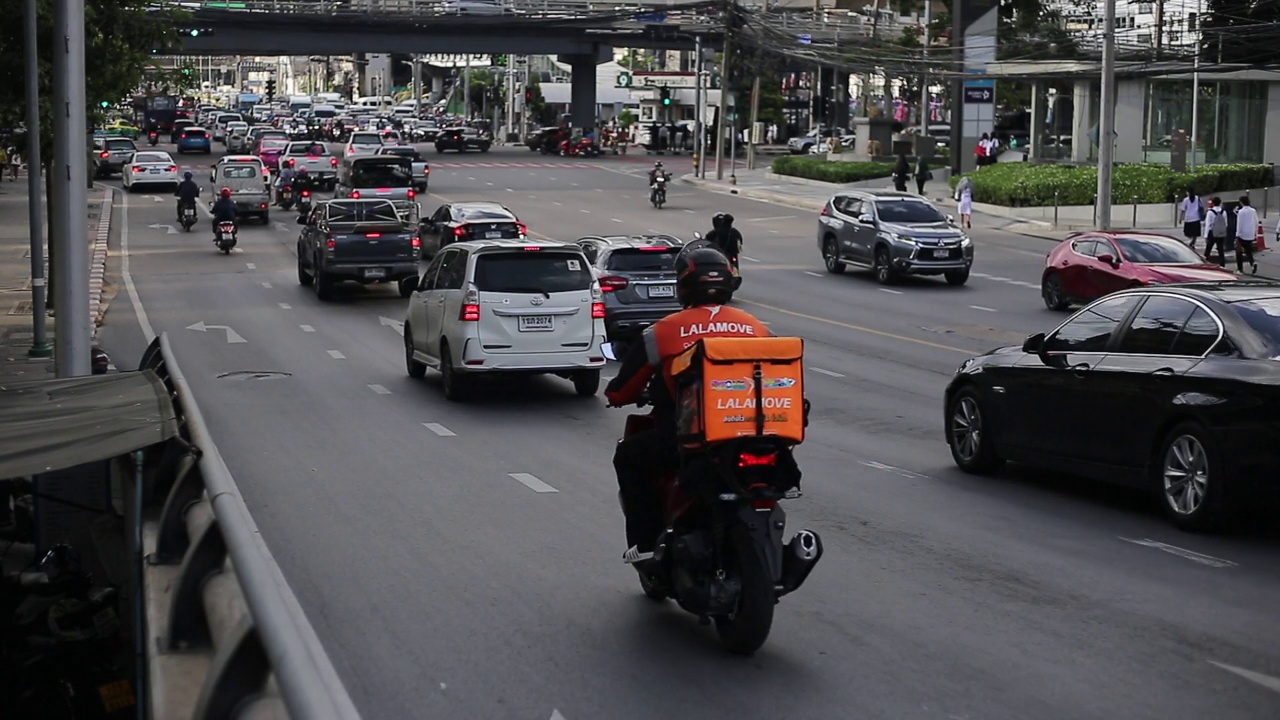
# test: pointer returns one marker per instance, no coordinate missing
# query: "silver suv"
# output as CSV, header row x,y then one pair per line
x,y
892,234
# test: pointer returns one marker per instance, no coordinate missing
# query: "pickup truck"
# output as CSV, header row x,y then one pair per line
x,y
315,157
365,241
421,168
248,190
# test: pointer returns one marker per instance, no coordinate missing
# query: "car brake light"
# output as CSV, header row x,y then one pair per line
x,y
331,243
460,231
426,171
412,194
373,235
597,310
306,193
355,194
532,248
138,169
656,248
173,168
610,283
470,306
524,229
104,154
417,242
749,460
826,210
333,162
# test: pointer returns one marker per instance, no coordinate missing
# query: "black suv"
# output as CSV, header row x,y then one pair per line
x,y
637,275
462,139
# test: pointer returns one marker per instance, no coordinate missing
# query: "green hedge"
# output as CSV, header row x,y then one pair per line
x,y
817,168
1027,184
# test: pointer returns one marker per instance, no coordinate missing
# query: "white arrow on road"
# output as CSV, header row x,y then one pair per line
x,y
156,198
393,324
169,229
233,337
555,715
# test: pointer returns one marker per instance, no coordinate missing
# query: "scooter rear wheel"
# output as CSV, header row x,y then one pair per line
x,y
746,629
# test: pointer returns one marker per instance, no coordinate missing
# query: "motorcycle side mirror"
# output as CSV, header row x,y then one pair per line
x,y
610,351
697,235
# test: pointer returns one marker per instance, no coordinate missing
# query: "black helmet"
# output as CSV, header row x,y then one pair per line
x,y
703,276
726,221
717,220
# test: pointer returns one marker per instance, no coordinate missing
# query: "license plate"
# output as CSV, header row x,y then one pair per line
x,y
375,272
492,236
662,291
941,253
536,323
153,171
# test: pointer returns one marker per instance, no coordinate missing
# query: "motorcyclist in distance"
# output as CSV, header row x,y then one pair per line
x,y
187,192
224,210
286,177
725,236
654,172
303,181
703,282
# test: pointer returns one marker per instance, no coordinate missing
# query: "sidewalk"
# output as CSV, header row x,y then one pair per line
x,y
760,184
16,328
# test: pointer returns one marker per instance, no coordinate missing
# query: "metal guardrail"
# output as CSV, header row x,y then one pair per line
x,y
227,637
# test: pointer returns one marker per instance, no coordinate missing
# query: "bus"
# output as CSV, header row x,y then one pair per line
x,y
161,110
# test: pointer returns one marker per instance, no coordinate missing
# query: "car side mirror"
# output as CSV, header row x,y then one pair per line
x,y
302,219
1109,259
1034,344
610,351
866,219
951,219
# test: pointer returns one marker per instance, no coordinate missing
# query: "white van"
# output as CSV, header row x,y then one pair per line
x,y
375,102
299,104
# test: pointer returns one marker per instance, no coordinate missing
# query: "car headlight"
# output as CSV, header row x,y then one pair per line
x,y
901,238
965,241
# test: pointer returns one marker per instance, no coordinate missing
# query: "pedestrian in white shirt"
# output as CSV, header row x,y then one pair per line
x,y
1246,235
1215,231
1192,215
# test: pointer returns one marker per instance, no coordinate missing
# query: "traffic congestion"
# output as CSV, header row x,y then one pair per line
x,y
431,310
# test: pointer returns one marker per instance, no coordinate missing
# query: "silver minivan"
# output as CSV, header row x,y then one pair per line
x,y
379,177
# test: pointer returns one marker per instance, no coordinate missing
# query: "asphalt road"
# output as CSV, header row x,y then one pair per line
x,y
444,587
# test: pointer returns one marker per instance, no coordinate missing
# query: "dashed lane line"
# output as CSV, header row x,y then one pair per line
x,y
828,373
307,328
983,309
439,429
379,389
266,285
615,220
748,259
251,266
814,274
1184,553
891,292
285,306
1005,280
337,355
532,482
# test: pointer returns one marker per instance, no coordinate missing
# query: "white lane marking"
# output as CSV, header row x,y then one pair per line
x,y
285,306
1266,681
266,285
138,311
983,309
615,220
1184,553
894,292
691,212
599,189
555,715
393,324
251,266
810,272
379,389
532,482
489,184
553,202
767,219
575,184
337,355
748,259
628,197
510,190
439,429
471,178
282,227
825,372
583,210
775,232
307,328
891,469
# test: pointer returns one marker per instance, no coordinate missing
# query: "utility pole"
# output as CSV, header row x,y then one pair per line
x,y
466,89
70,196
699,108
40,347
924,75
724,91
1106,119
417,84
755,112
1195,84
866,78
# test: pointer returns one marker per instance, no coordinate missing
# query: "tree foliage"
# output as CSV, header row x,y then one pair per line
x,y
1241,31
1033,30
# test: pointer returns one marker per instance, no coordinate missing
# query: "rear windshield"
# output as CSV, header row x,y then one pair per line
x,y
304,149
324,113
381,174
239,172
120,145
532,271
362,212
482,214
402,151
365,139
1264,317
637,260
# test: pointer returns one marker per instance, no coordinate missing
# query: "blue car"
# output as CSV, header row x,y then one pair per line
x,y
194,139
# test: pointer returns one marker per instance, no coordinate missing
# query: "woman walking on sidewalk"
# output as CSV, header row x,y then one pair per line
x,y
1246,235
1215,231
964,196
922,174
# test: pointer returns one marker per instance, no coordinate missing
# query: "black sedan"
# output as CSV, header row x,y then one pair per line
x,y
1174,389
460,221
463,139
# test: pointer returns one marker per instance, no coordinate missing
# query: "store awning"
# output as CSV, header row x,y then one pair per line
x,y
49,425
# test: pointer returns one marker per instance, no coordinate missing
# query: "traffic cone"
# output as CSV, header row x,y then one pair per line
x,y
1262,238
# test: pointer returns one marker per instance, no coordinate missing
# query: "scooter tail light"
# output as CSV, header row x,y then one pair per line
x,y
306,193
412,194
104,154
750,460
355,194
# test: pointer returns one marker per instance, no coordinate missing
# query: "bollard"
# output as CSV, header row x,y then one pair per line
x,y
1055,208
1135,212
696,159
1266,195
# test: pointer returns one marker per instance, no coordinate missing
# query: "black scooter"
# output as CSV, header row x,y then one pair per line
x,y
187,216
153,138
226,236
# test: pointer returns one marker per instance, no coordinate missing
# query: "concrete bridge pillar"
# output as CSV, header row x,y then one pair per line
x,y
437,87
582,93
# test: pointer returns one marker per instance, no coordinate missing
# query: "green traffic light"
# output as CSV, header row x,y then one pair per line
x,y
195,33
104,104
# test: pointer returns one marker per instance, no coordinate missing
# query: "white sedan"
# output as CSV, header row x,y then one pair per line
x,y
150,168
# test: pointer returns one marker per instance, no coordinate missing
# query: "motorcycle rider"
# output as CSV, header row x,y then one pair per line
x,y
224,210
654,172
303,181
703,282
187,192
725,236
286,176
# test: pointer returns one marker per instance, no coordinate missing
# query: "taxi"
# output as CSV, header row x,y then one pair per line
x,y
122,128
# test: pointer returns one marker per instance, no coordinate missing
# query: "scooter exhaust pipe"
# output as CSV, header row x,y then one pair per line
x,y
803,553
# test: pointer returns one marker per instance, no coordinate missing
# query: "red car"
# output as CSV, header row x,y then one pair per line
x,y
270,152
1087,266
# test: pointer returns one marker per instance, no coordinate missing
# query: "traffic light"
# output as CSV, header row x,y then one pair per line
x,y
500,60
528,96
104,104
665,94
198,32
271,90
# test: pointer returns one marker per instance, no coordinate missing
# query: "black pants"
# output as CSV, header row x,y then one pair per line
x,y
1221,243
637,461
899,183
1244,253
920,185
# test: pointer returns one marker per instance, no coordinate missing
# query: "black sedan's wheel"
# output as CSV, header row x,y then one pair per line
x,y
1052,293
1191,484
968,434
831,256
